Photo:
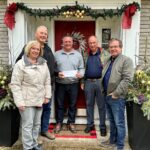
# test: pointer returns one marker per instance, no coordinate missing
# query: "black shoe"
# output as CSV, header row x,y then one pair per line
x,y
103,132
88,129
72,128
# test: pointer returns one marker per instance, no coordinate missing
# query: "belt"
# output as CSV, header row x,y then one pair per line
x,y
93,80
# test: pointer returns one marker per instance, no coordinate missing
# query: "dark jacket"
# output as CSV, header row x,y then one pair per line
x,y
48,55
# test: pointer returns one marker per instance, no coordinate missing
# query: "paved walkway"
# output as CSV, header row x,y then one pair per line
x,y
69,144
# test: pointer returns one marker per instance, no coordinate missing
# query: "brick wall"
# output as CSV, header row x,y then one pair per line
x,y
145,29
3,34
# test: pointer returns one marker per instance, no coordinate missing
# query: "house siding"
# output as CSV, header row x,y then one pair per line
x,y
145,30
4,50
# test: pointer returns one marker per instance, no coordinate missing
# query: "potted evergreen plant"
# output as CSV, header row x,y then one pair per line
x,y
9,115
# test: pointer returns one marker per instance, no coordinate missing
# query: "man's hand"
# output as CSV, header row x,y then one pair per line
x,y
22,108
82,86
46,100
61,75
78,75
113,96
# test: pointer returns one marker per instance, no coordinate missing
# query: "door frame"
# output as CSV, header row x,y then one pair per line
x,y
81,112
98,29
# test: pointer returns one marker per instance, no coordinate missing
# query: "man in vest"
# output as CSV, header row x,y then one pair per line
x,y
92,86
41,35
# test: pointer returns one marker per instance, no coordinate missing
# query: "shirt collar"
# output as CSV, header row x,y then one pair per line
x,y
68,53
97,52
114,58
40,61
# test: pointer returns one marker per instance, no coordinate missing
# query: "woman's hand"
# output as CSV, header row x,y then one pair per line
x,y
22,108
46,100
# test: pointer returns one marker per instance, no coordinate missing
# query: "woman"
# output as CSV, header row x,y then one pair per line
x,y
30,85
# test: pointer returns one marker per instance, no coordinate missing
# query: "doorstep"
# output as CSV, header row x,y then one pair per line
x,y
69,143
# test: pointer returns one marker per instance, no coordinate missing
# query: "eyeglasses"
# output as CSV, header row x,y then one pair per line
x,y
116,46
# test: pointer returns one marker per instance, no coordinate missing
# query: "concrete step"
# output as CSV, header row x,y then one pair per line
x,y
69,143
64,144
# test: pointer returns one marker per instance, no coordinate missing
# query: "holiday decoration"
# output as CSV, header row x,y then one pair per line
x,y
78,37
127,16
77,11
9,18
80,40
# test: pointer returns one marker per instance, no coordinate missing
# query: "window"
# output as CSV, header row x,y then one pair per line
x,y
106,35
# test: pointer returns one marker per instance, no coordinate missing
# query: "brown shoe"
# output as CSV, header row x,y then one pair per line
x,y
107,144
48,135
58,128
72,128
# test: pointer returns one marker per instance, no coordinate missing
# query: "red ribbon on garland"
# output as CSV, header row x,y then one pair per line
x,y
9,18
127,16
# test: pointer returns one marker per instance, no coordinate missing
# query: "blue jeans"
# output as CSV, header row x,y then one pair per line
x,y
72,92
116,110
92,94
45,117
31,120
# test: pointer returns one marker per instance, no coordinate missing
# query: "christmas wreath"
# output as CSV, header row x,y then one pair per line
x,y
77,36
80,39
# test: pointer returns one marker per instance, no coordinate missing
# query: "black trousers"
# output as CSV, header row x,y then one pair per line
x,y
72,92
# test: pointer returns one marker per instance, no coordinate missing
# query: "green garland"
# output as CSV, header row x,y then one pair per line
x,y
65,10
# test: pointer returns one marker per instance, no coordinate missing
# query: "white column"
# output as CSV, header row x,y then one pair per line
x,y
17,37
130,38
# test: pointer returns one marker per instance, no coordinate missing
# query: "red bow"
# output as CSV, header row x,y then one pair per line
x,y
9,18
127,17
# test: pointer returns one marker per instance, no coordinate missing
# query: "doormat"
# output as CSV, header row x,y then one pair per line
x,y
64,133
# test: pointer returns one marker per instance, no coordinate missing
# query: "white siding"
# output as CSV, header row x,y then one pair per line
x,y
145,29
17,36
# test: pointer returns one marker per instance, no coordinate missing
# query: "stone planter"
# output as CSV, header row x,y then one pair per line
x,y
138,127
9,127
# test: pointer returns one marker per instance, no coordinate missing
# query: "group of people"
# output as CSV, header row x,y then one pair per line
x,y
104,79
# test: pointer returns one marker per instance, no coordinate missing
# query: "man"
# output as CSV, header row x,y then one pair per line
x,y
117,74
92,86
41,35
69,60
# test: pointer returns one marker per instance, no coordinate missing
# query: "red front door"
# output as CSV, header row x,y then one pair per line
x,y
62,28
